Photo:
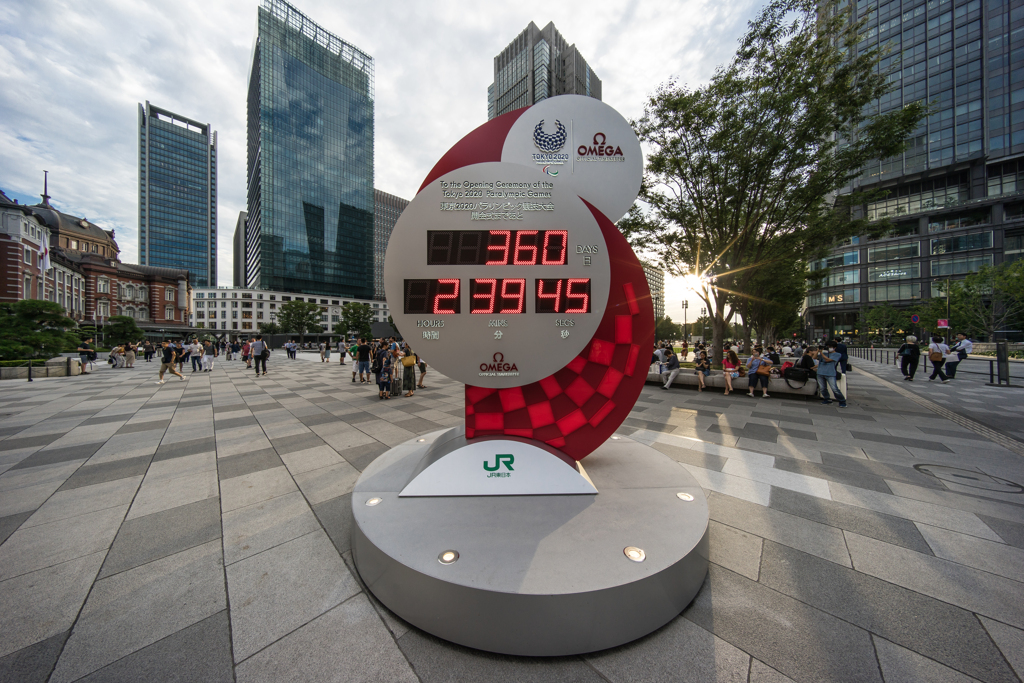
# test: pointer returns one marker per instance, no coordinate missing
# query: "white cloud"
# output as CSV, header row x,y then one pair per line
x,y
73,73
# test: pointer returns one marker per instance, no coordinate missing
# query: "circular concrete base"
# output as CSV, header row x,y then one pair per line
x,y
535,575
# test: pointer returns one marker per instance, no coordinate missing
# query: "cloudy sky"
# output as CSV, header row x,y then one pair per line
x,y
73,73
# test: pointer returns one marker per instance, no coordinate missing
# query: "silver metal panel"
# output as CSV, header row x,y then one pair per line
x,y
536,575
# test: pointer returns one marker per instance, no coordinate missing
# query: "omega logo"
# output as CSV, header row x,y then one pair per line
x,y
599,148
499,364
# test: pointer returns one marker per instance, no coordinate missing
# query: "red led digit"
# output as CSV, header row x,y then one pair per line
x,y
451,297
557,296
519,295
580,294
487,297
557,250
530,249
499,248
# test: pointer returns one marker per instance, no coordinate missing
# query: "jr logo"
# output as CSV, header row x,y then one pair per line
x,y
505,458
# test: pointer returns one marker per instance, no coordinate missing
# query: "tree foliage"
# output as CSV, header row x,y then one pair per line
x,y
121,329
299,317
356,317
34,329
268,328
744,171
665,329
989,300
888,320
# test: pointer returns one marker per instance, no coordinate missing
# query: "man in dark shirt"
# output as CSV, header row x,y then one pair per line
x,y
86,353
671,369
363,364
844,355
169,354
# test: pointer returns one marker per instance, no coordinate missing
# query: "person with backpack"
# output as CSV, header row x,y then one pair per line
x,y
260,353
958,352
247,354
937,352
910,356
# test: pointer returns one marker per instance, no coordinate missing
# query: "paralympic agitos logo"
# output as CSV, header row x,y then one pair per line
x,y
498,367
550,144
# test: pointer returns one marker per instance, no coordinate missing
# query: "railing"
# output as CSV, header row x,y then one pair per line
x,y
891,357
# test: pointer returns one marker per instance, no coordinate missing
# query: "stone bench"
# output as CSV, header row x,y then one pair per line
x,y
687,378
55,367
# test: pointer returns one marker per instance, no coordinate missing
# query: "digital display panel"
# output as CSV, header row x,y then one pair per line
x,y
432,297
563,295
497,247
497,295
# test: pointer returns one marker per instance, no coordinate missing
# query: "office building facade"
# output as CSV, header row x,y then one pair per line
x,y
240,310
177,193
238,252
656,283
309,224
956,196
537,65
386,210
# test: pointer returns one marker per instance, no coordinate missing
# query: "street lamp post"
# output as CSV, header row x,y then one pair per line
x,y
686,331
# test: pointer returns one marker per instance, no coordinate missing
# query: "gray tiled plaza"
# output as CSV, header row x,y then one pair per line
x,y
200,531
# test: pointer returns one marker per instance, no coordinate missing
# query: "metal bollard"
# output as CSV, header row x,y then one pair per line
x,y
30,371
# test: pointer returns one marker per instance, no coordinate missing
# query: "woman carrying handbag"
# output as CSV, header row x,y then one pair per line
x,y
758,371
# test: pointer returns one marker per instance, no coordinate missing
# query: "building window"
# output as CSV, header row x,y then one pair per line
x,y
960,265
200,314
28,287
273,297
104,309
895,271
28,256
924,196
143,294
835,279
246,326
103,286
141,314
200,295
199,304
247,315
169,294
961,220
234,314
169,312
234,304
900,292
850,258
945,245
259,305
259,315
894,251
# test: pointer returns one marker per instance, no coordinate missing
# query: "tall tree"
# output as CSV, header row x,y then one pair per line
x,y
121,329
269,328
34,329
887,320
355,317
780,289
299,317
744,171
665,329
989,300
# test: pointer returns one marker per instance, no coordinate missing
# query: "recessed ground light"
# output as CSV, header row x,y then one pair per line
x,y
684,496
448,557
373,501
615,437
421,440
635,554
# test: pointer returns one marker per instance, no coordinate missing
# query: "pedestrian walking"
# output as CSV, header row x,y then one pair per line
x,y
910,356
671,369
246,354
423,371
86,354
937,352
259,351
363,365
341,351
129,355
148,349
382,370
169,355
958,352
327,352
209,353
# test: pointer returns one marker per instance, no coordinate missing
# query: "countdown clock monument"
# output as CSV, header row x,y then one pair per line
x,y
507,273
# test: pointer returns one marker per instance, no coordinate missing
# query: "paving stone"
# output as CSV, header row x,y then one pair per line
x,y
54,456
34,663
10,524
247,463
232,422
997,558
879,469
278,590
437,661
335,515
778,477
901,441
974,590
90,475
128,611
161,534
762,673
888,528
695,458
308,459
783,418
925,625
32,548
327,482
44,603
200,652
163,494
255,487
735,550
1010,641
190,447
318,419
180,467
679,646
900,665
773,628
730,485
810,469
351,645
1011,533
28,442
796,532
80,500
361,456
255,528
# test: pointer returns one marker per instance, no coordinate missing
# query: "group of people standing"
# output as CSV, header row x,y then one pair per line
x,y
393,365
944,359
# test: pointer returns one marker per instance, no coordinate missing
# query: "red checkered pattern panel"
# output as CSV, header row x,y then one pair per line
x,y
580,406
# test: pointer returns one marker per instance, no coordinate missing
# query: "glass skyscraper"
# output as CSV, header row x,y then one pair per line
x,y
178,194
956,196
387,209
537,65
309,225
